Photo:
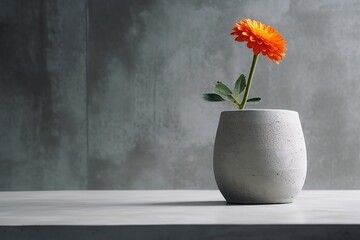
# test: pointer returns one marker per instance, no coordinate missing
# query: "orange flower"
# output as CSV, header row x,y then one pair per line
x,y
261,38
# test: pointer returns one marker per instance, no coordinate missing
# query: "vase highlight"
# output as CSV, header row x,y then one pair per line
x,y
260,156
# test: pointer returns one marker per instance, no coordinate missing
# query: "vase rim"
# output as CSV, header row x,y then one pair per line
x,y
260,110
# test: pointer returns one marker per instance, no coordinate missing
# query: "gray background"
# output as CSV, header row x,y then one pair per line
x,y
106,94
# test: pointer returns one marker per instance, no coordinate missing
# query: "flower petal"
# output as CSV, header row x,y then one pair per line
x,y
261,38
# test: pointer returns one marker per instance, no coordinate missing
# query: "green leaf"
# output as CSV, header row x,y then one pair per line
x,y
230,98
240,84
254,100
212,97
222,89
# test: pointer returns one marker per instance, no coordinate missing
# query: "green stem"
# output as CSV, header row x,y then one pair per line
x,y
237,104
248,85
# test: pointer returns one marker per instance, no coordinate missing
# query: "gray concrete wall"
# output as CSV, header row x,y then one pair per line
x,y
42,95
106,94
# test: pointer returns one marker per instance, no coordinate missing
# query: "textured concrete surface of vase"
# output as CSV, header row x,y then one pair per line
x,y
260,156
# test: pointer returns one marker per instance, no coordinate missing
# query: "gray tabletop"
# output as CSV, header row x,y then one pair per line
x,y
114,215
171,208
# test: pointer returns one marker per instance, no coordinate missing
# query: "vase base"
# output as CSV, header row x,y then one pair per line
x,y
258,203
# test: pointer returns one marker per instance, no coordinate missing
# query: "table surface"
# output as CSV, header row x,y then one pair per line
x,y
175,207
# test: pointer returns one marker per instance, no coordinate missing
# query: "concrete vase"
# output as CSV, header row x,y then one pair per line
x,y
260,156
